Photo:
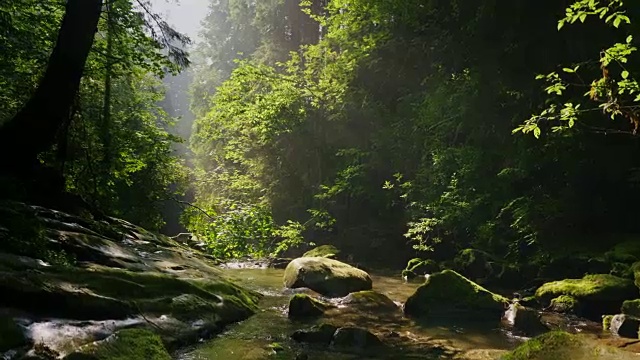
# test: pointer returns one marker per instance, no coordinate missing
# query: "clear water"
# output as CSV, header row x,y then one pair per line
x,y
252,338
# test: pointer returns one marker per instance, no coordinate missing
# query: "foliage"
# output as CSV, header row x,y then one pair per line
x,y
398,117
115,151
615,91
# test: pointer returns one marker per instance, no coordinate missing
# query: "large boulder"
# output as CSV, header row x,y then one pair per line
x,y
598,294
326,276
449,294
561,345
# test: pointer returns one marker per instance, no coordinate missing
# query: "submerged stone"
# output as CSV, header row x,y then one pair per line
x,y
449,294
319,334
326,276
370,300
352,337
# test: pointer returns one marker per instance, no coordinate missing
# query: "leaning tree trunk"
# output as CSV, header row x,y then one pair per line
x,y
34,129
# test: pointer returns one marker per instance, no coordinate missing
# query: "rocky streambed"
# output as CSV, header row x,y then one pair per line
x,y
127,293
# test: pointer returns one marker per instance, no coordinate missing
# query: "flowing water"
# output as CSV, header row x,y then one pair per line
x,y
255,337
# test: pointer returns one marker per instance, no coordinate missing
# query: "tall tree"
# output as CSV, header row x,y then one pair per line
x,y
34,129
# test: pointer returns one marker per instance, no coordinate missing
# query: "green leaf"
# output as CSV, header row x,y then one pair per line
x,y
625,74
568,70
560,24
583,17
616,22
629,39
537,132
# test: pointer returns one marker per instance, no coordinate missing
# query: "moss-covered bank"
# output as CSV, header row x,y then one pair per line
x,y
120,271
558,345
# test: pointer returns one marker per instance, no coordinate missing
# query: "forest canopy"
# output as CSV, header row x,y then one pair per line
x,y
392,129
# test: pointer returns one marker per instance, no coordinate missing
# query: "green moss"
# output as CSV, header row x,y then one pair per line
x,y
132,344
606,322
631,307
448,293
323,251
303,305
11,335
593,287
552,345
635,270
326,276
105,293
558,345
565,304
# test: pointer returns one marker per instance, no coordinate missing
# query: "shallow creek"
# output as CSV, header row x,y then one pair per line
x,y
408,339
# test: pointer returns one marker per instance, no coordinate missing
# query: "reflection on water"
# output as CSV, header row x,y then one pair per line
x,y
407,338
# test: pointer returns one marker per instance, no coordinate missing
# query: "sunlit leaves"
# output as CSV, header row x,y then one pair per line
x,y
608,91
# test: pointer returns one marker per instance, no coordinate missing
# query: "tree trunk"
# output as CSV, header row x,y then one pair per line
x,y
106,111
34,129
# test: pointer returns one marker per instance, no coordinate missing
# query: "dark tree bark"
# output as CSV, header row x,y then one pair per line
x,y
34,129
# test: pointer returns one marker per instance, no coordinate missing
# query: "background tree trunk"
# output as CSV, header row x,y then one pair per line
x,y
34,129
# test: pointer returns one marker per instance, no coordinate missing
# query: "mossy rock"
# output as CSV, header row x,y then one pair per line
x,y
449,294
631,307
127,344
326,276
417,267
635,270
328,251
558,345
370,300
565,304
11,335
106,293
304,306
624,252
597,294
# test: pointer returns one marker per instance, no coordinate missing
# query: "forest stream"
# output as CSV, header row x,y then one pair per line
x,y
256,337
